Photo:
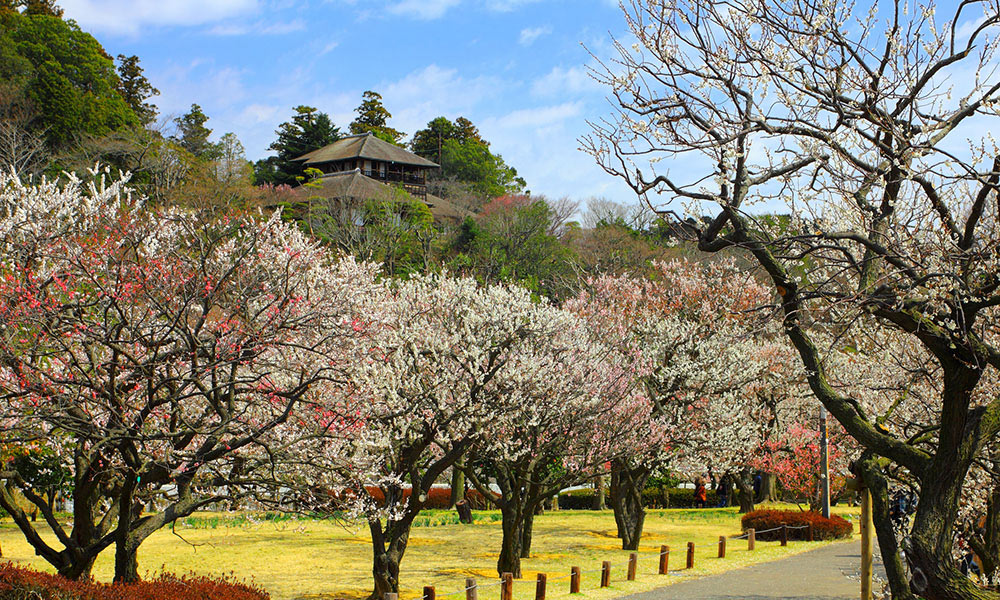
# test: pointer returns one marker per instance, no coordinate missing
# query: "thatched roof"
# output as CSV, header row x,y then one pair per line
x,y
354,185
367,146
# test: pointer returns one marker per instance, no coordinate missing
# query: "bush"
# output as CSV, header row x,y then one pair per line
x,y
823,528
651,498
580,500
20,583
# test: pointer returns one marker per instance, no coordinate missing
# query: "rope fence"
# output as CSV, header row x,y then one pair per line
x,y
630,567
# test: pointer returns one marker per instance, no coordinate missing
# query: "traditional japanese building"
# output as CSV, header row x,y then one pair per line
x,y
363,167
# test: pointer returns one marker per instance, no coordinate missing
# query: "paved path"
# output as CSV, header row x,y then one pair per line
x,y
821,574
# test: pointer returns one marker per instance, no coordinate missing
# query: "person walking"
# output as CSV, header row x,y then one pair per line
x,y
700,495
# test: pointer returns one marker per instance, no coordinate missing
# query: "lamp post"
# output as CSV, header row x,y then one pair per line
x,y
824,463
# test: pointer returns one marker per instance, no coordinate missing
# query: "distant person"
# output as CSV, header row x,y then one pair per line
x,y
758,483
700,495
724,491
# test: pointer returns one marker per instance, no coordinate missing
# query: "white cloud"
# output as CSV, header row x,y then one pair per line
x,y
432,92
435,9
529,35
560,81
259,28
328,48
507,5
545,116
128,17
423,9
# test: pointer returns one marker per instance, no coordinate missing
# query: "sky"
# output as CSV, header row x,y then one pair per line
x,y
516,68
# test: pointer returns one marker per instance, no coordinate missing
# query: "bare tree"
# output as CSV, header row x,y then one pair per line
x,y
22,141
868,124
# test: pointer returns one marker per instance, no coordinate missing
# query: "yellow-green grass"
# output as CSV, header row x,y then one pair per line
x,y
326,560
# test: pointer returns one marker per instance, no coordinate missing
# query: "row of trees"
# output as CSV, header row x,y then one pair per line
x,y
869,123
156,354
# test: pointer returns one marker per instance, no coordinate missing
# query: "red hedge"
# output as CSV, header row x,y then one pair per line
x,y
823,528
438,497
21,583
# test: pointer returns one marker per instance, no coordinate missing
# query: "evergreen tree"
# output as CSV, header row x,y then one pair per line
x,y
373,118
465,157
192,135
135,89
308,130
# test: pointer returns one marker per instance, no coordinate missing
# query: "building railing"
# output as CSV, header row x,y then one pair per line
x,y
395,176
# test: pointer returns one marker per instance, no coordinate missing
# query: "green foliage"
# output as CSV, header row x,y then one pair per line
x,y
135,89
192,135
65,72
429,142
308,130
471,161
513,240
373,118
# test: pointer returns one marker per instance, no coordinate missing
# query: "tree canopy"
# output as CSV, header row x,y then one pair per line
x,y
64,71
308,130
373,117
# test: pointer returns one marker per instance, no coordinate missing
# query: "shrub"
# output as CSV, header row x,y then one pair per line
x,y
579,500
823,528
651,498
20,583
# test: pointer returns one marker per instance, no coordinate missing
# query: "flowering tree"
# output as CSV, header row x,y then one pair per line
x,y
794,457
444,365
156,353
576,405
858,121
716,386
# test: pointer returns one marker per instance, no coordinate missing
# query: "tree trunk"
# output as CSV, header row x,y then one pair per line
x,y
526,529
599,494
932,569
126,546
513,536
744,487
457,486
126,563
627,483
388,547
888,546
768,488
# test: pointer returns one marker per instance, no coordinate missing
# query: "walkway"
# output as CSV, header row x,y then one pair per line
x,y
821,574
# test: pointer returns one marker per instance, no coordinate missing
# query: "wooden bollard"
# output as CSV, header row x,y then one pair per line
x,y
809,532
507,586
429,593
633,560
664,559
471,589
690,563
722,546
606,573
751,539
574,580
540,587
784,535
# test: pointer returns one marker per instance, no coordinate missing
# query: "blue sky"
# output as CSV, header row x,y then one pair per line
x,y
516,68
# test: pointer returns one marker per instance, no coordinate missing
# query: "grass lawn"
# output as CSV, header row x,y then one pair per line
x,y
324,560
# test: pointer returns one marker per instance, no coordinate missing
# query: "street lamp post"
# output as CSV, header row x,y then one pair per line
x,y
824,463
